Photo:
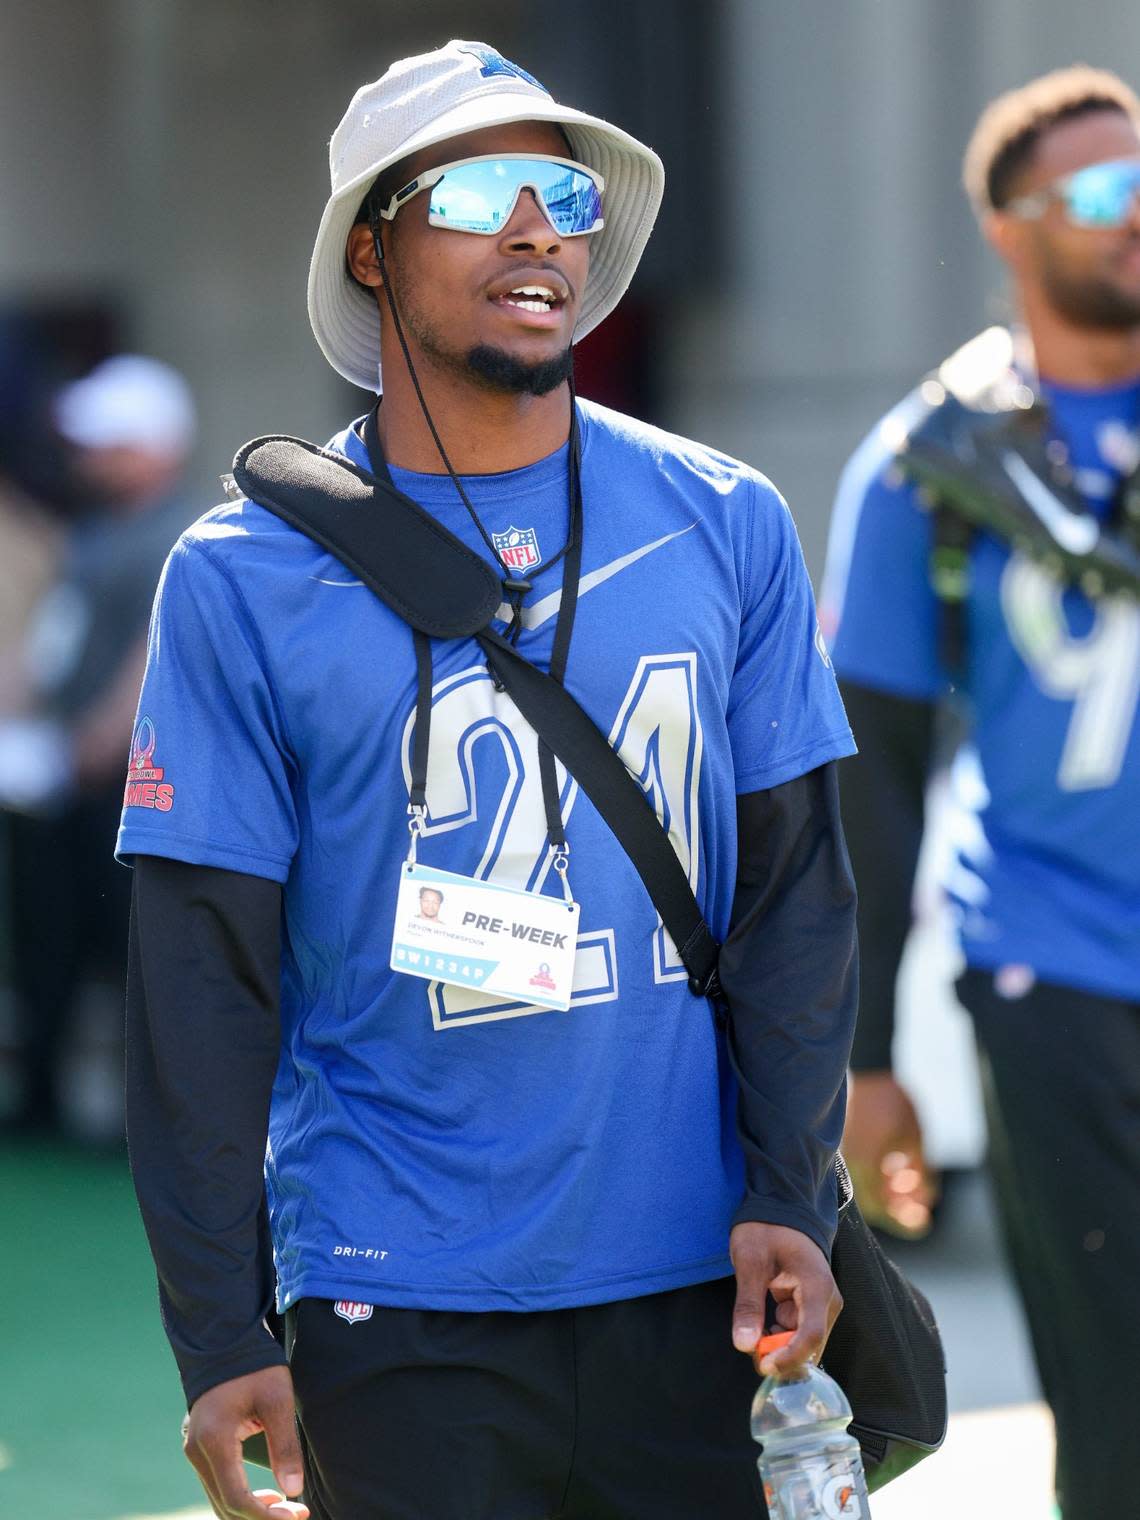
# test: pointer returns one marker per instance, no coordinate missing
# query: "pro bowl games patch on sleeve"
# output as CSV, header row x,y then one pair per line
x,y
145,784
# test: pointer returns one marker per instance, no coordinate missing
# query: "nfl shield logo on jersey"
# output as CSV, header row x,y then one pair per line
x,y
348,1309
517,548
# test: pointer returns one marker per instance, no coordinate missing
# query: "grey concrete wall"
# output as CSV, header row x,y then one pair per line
x,y
173,154
56,132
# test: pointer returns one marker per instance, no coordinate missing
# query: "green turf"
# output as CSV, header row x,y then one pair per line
x,y
89,1398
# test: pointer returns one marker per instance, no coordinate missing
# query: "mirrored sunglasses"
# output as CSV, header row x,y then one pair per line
x,y
1099,196
480,194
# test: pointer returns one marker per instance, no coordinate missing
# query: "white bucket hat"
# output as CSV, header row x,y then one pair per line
x,y
425,100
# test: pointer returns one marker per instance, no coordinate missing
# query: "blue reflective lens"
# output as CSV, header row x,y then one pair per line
x,y
1102,194
480,197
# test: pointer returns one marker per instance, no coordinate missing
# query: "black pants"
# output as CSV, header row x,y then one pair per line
x,y
1061,1077
636,1410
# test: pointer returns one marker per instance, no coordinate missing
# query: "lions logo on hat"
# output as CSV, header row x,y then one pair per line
x,y
492,62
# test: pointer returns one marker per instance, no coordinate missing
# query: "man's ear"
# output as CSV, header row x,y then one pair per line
x,y
1006,235
360,252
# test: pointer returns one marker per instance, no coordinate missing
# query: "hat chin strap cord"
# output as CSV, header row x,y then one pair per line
x,y
514,588
374,225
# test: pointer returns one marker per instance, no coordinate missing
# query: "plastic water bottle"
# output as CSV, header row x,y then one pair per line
x,y
811,1467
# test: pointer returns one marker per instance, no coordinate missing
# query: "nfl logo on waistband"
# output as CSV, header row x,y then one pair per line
x,y
517,548
352,1311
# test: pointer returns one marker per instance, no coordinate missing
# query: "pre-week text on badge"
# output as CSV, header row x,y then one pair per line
x,y
488,925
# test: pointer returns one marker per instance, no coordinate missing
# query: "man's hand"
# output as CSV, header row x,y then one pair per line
x,y
217,1424
882,1145
772,1259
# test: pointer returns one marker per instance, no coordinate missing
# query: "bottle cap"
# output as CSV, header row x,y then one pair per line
x,y
768,1343
773,1342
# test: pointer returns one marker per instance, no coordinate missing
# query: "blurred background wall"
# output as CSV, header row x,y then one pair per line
x,y
166,161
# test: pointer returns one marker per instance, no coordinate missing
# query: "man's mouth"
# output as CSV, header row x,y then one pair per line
x,y
534,298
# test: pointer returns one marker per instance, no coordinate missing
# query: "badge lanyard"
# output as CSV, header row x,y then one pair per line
x,y
515,589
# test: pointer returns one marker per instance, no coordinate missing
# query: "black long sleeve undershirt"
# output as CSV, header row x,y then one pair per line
x,y
204,1038
883,791
789,973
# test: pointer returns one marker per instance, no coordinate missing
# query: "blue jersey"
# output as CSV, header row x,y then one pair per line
x,y
437,1147
1047,873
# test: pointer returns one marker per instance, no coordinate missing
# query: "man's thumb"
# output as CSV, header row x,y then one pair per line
x,y
747,1318
285,1451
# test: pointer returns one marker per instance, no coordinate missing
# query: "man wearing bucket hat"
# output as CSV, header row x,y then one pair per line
x,y
500,1227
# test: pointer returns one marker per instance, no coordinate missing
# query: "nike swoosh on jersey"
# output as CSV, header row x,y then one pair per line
x,y
542,611
1077,534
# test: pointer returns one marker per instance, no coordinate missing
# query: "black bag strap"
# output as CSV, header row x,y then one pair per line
x,y
578,742
434,582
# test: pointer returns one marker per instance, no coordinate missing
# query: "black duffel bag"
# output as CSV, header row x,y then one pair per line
x,y
885,1351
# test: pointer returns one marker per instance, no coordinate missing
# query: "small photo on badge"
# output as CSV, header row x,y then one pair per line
x,y
431,900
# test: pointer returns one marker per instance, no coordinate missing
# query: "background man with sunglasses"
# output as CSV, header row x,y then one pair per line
x,y
501,1235
1035,435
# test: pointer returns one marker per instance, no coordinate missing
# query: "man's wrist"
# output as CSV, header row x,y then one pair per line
x,y
756,1209
205,1374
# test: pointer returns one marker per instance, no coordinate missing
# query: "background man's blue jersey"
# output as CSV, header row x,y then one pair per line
x,y
443,1148
1051,879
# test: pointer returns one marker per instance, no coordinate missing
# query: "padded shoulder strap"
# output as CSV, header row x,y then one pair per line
x,y
376,531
